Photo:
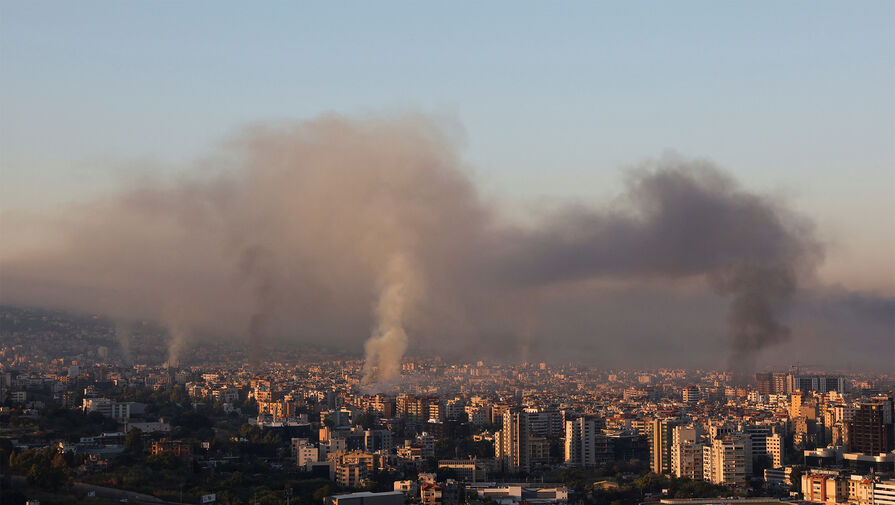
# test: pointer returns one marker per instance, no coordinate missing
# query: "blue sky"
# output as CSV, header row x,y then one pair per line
x,y
553,99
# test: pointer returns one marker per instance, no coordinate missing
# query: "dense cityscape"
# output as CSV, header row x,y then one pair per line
x,y
86,419
394,252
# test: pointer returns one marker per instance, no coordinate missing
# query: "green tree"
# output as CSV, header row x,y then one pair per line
x,y
49,476
322,492
133,443
6,451
12,497
164,461
250,433
796,478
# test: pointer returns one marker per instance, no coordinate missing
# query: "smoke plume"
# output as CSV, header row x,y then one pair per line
x,y
123,338
178,336
337,230
387,344
682,219
257,264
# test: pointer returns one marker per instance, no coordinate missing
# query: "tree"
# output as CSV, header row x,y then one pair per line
x,y
446,473
133,443
12,497
250,433
6,451
192,421
49,476
164,461
322,492
796,478
651,482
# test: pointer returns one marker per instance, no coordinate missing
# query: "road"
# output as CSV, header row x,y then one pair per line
x,y
108,493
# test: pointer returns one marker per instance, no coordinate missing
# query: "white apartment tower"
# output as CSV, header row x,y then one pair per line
x,y
776,450
582,442
728,460
686,453
511,443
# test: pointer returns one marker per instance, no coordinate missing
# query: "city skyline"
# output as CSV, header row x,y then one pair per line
x,y
452,433
447,253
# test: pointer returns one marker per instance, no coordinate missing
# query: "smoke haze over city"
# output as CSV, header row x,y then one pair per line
x,y
374,230
591,184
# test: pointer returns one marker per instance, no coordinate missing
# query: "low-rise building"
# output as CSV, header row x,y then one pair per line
x,y
465,470
514,494
824,488
366,498
860,490
778,476
350,474
182,450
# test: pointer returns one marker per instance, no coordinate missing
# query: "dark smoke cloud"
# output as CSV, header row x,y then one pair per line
x,y
257,264
339,230
840,302
682,219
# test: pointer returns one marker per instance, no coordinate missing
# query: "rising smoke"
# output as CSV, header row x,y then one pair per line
x,y
399,286
333,229
123,337
257,264
681,219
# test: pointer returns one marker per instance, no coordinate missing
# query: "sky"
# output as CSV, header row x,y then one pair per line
x,y
550,102
797,97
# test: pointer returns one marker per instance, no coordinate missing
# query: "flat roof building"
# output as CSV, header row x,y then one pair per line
x,y
366,498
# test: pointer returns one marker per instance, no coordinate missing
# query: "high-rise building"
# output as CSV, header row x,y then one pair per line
x,y
805,431
717,431
778,383
795,404
660,445
478,414
787,383
377,440
511,443
585,444
538,452
818,383
690,395
728,460
758,436
771,383
870,430
764,383
546,423
686,453
455,409
776,449
419,408
384,405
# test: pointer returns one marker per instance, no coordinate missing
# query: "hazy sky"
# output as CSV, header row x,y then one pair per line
x,y
791,97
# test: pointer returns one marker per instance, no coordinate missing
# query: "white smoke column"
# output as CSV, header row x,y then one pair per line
x,y
177,342
176,321
399,287
122,335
